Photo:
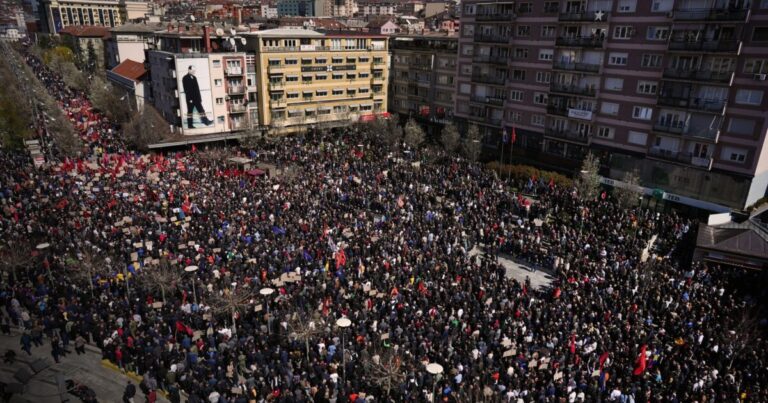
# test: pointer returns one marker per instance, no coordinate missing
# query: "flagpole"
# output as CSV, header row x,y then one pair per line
x,y
512,139
501,156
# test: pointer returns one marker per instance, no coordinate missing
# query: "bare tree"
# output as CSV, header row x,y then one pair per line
x,y
232,301
588,181
385,368
145,128
450,138
305,328
161,278
15,257
745,334
414,134
90,263
105,97
473,144
627,196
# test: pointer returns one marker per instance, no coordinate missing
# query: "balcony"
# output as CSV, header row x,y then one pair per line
x,y
497,60
275,69
699,75
670,127
698,104
585,91
564,134
276,86
582,17
488,79
557,110
237,108
711,14
234,71
580,67
680,157
482,119
378,62
237,125
504,17
488,100
489,38
420,66
580,42
278,103
235,89
705,46
377,79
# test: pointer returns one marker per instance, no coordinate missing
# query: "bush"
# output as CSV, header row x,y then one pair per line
x,y
523,172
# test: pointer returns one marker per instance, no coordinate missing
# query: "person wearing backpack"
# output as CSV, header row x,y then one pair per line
x,y
129,393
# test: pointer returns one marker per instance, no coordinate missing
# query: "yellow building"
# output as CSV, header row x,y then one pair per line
x,y
58,14
309,79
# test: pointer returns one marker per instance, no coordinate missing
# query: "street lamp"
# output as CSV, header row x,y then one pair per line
x,y
436,370
343,323
192,269
42,247
266,292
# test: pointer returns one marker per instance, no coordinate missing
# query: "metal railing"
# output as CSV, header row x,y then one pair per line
x,y
490,59
237,108
671,127
583,67
487,79
501,17
587,91
727,46
682,157
488,100
711,14
588,16
699,104
567,135
699,75
583,41
489,38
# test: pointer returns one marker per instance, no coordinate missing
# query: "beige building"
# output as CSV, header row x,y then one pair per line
x,y
308,79
58,14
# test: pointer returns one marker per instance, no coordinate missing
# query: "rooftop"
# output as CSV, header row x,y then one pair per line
x,y
86,31
130,69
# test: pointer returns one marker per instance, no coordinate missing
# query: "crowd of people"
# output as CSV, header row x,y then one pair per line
x,y
405,245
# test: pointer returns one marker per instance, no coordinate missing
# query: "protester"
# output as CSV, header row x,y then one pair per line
x,y
404,245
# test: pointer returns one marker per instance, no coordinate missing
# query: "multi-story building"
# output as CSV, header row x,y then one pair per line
x,y
422,78
309,79
674,90
344,8
130,41
57,14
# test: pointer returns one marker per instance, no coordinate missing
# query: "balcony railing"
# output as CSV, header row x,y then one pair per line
x,y
420,66
682,157
698,104
276,86
237,108
278,103
503,17
557,110
491,38
488,100
567,135
581,42
699,75
587,91
582,17
498,60
582,67
670,127
275,68
238,125
711,14
234,71
481,118
488,79
724,46
235,89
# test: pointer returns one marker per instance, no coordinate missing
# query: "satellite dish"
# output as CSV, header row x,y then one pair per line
x,y
232,41
219,32
242,41
232,31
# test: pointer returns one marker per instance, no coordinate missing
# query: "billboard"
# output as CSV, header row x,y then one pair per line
x,y
195,98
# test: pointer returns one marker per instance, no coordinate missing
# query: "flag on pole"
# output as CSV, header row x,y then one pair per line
x,y
514,135
641,362
504,137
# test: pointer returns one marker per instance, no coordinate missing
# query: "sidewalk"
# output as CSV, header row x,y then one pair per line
x,y
86,369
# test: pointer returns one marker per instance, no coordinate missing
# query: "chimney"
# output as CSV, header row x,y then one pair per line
x,y
238,16
207,38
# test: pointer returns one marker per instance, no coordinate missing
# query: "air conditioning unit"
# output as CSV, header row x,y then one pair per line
x,y
761,77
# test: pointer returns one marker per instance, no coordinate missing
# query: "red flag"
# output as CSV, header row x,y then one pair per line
x,y
514,135
603,195
572,345
194,148
603,357
640,363
551,183
341,258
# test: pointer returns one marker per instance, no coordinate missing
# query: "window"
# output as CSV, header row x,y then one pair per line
x,y
760,34
734,154
339,108
337,76
321,77
306,62
524,8
364,90
543,77
321,93
749,97
546,54
657,33
548,31
291,61
219,101
321,60
307,94
469,9
364,60
660,6
551,6
627,6
741,126
605,132
651,61
351,92
363,75
515,116
217,64
465,88
337,91
274,62
614,84
518,75
523,30
306,79
220,119
537,120
609,108
617,59
521,53
337,60
647,87
292,95
468,29
623,32
540,98
638,138
291,78
217,82
467,50
642,113
763,4
756,66
516,96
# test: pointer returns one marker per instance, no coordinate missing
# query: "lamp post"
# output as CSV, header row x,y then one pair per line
x,y
343,323
266,292
436,370
192,269
42,247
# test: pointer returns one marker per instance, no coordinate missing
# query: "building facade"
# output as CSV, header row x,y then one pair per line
x,y
674,90
57,14
308,79
129,42
423,78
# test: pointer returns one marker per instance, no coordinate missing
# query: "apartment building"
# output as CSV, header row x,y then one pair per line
x,y
423,78
672,89
58,14
309,79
